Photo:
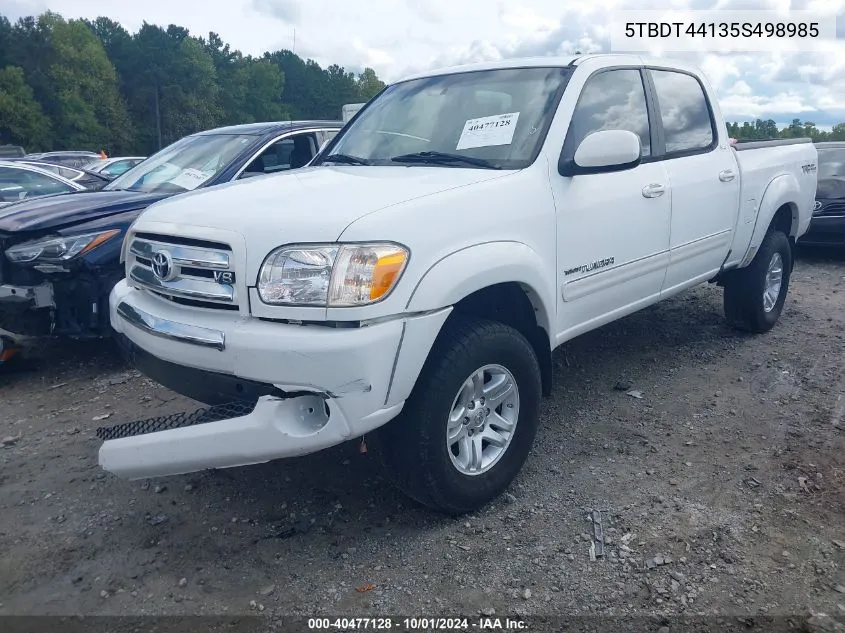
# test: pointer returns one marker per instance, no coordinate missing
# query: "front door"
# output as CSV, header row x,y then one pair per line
x,y
612,228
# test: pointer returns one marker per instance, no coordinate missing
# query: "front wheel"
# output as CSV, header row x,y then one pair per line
x,y
468,426
754,296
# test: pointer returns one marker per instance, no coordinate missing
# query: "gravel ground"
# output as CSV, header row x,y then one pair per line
x,y
715,459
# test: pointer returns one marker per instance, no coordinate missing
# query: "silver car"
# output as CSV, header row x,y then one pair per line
x,y
23,181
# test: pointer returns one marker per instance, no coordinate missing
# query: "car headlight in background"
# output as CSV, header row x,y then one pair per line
x,y
58,249
331,275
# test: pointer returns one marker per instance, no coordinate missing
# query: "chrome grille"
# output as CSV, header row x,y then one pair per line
x,y
183,269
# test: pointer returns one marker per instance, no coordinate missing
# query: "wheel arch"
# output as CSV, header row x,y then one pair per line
x,y
503,281
779,209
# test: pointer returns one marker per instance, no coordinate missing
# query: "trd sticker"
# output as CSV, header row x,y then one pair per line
x,y
585,268
809,168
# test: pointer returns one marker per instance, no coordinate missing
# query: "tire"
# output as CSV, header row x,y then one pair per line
x,y
413,447
747,306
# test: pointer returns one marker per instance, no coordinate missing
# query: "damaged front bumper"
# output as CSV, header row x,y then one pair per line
x,y
311,386
225,436
27,310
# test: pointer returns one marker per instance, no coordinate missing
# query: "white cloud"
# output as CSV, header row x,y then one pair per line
x,y
740,89
284,10
396,37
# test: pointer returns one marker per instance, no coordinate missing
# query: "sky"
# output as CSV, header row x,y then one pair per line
x,y
399,37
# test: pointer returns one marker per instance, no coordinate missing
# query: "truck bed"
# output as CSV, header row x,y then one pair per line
x,y
760,162
742,146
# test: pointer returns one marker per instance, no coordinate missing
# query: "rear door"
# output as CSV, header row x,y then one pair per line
x,y
704,176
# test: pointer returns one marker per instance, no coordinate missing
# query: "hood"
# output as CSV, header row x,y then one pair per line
x,y
52,212
830,188
310,204
313,204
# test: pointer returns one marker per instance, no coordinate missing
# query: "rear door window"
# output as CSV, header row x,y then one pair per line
x,y
687,123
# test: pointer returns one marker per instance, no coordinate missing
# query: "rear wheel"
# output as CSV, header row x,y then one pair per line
x,y
754,296
470,422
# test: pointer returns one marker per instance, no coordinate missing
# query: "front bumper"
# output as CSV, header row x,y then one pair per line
x,y
825,231
349,380
25,310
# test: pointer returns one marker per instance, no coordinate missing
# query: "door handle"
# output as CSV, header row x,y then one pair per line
x,y
727,175
654,190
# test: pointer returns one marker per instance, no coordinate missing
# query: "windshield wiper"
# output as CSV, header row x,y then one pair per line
x,y
345,159
442,158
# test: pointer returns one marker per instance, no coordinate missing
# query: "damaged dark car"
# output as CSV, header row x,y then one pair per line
x,y
60,254
827,227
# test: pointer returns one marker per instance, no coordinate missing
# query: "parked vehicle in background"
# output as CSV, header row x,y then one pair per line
x,y
415,278
114,167
60,257
88,179
11,151
350,110
828,225
24,181
66,159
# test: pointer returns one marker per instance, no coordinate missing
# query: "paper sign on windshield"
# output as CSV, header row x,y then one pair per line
x,y
488,131
190,178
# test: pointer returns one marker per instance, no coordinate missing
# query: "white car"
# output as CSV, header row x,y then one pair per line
x,y
414,280
24,181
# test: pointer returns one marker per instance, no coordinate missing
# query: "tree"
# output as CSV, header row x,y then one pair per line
x,y
6,37
98,85
253,87
175,90
369,85
84,100
29,47
22,122
341,88
265,86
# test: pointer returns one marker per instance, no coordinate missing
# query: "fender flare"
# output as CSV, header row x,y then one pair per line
x,y
460,273
782,190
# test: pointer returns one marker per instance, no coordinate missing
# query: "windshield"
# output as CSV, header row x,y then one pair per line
x,y
495,118
831,163
184,165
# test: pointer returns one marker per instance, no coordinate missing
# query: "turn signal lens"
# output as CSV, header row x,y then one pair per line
x,y
365,273
385,274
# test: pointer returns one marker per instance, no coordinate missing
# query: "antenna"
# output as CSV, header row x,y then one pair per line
x,y
294,40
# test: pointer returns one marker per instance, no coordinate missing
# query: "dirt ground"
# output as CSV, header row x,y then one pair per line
x,y
721,490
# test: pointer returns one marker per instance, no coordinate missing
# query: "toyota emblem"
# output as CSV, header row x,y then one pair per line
x,y
163,266
817,206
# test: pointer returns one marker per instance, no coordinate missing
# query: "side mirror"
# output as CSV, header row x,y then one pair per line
x,y
604,151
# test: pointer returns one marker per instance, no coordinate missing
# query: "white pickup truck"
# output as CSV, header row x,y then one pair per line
x,y
416,277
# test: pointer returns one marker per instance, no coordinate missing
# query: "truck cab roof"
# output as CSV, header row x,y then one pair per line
x,y
620,59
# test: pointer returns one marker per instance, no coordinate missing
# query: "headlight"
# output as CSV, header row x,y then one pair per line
x,y
58,249
331,275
